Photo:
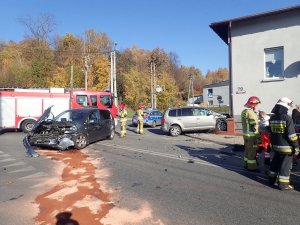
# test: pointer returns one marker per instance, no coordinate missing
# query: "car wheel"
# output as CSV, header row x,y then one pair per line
x,y
221,125
175,130
27,125
112,135
153,124
80,141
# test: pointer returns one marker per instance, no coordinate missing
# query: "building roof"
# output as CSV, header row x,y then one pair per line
x,y
222,27
219,84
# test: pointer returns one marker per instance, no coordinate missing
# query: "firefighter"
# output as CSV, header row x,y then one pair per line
x,y
250,133
140,122
265,145
123,119
284,142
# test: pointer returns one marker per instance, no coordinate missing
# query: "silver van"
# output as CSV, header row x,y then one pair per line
x,y
189,118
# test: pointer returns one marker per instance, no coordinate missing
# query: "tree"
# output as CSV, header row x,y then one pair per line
x,y
39,28
220,74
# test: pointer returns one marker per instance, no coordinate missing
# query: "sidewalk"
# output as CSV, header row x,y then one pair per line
x,y
218,138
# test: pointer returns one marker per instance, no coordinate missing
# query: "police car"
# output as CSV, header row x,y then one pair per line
x,y
152,117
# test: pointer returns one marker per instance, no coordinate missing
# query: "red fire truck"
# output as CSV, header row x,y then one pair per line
x,y
20,108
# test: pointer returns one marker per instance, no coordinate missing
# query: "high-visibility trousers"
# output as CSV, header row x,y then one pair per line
x,y
123,126
140,126
280,168
250,144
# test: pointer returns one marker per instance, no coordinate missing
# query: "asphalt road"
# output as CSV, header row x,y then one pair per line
x,y
155,179
189,181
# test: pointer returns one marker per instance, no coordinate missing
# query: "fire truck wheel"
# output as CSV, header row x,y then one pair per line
x,y
80,141
27,125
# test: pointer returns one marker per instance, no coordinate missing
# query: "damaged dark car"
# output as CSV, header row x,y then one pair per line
x,y
74,128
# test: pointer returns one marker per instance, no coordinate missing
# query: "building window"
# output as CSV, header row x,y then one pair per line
x,y
274,63
210,93
210,103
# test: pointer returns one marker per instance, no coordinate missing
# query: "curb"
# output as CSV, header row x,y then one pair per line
x,y
214,140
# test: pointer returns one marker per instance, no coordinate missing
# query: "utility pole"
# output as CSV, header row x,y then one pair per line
x,y
153,83
191,88
71,85
85,70
71,78
113,74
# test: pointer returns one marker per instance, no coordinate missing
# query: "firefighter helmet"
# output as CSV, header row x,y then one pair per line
x,y
141,106
252,102
122,106
286,102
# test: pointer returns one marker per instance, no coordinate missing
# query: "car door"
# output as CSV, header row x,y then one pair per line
x,y
187,118
106,123
95,128
203,119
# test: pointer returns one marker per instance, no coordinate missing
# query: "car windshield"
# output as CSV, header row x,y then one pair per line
x,y
71,116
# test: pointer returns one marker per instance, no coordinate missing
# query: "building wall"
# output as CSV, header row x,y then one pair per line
x,y
249,40
217,91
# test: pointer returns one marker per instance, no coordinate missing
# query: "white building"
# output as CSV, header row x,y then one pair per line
x,y
264,58
216,94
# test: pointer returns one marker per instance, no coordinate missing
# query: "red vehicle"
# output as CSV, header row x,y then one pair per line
x,y
20,108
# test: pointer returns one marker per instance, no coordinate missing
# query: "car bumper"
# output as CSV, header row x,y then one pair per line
x,y
165,127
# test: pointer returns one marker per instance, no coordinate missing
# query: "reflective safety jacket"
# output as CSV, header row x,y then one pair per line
x,y
249,123
283,136
140,114
123,115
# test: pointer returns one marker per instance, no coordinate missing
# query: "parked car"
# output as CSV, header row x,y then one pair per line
x,y
189,118
152,117
74,128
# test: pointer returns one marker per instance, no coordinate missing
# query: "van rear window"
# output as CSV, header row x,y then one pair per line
x,y
172,113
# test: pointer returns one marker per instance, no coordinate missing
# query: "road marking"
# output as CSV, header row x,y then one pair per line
x,y
181,158
4,155
35,175
15,164
7,160
29,168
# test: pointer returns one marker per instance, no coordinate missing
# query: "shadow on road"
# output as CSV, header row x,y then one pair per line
x,y
64,218
231,158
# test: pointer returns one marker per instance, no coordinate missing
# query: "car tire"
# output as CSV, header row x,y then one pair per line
x,y
80,141
175,130
112,135
153,124
221,125
27,125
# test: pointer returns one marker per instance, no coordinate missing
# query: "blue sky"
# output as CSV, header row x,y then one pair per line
x,y
180,26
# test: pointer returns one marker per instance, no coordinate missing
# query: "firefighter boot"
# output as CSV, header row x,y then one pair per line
x,y
286,188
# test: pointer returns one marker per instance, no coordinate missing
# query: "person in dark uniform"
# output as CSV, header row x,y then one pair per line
x,y
284,142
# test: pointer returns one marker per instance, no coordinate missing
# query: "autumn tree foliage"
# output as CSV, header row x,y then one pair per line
x,y
41,61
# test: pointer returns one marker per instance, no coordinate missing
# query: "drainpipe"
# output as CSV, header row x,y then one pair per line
x,y
230,71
